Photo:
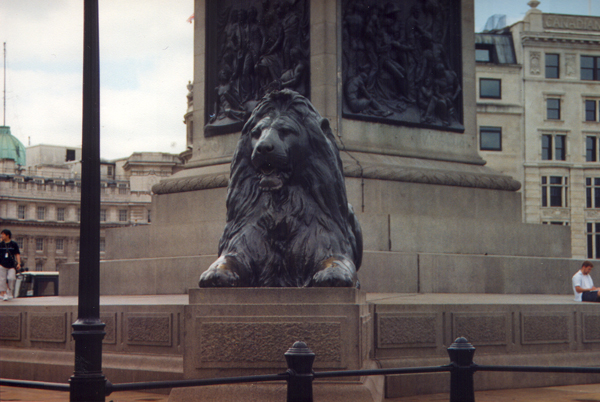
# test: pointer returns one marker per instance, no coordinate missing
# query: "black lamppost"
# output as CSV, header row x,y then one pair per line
x,y
88,383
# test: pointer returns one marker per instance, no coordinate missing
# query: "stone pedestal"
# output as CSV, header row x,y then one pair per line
x,y
246,331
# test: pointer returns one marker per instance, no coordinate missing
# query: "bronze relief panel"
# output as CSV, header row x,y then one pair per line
x,y
253,47
402,63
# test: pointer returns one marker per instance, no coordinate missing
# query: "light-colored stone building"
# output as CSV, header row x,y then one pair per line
x,y
538,93
39,200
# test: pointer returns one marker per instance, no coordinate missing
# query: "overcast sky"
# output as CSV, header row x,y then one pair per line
x,y
515,9
146,52
146,62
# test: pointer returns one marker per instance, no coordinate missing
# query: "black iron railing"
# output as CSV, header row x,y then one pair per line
x,y
300,375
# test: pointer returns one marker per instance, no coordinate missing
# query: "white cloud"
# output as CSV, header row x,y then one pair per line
x,y
146,52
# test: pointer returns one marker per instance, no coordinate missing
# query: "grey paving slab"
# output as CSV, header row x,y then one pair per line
x,y
375,298
467,298
104,300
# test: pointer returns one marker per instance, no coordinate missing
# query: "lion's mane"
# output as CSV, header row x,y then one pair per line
x,y
282,237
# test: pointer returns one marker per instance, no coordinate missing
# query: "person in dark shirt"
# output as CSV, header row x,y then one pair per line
x,y
10,258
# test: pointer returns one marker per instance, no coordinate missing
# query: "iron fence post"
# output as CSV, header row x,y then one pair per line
x,y
461,374
300,360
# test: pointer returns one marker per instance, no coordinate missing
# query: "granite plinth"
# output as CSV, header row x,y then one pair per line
x,y
409,330
246,331
381,271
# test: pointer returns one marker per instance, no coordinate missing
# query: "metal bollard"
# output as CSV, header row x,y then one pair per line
x,y
461,375
300,360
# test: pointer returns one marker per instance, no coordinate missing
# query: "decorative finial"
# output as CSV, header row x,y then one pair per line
x,y
533,3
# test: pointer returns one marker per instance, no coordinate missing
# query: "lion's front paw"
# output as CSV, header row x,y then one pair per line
x,y
219,275
335,273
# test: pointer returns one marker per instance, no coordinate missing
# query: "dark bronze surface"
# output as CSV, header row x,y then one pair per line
x,y
253,47
288,219
402,62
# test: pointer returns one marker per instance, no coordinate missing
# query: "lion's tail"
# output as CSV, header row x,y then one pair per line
x,y
356,232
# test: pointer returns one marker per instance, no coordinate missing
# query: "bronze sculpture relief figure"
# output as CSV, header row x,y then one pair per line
x,y
401,62
260,46
289,223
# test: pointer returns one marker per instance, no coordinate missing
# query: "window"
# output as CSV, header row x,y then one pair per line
x,y
552,66
21,212
78,245
122,215
559,148
483,55
39,244
78,214
103,215
41,213
553,109
122,188
593,240
149,215
21,243
592,192
554,191
590,68
60,245
490,138
102,245
70,155
489,88
39,265
22,186
109,170
591,148
61,188
60,214
590,110
554,147
558,223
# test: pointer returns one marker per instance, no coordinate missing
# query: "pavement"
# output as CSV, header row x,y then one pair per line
x,y
377,298
571,393
37,395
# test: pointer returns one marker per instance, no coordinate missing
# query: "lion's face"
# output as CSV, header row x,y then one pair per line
x,y
277,146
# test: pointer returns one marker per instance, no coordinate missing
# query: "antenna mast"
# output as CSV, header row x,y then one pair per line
x,y
4,110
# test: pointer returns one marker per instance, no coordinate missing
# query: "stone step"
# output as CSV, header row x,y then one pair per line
x,y
409,233
415,330
145,335
381,271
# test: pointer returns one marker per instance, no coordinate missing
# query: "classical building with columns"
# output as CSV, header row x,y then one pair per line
x,y
40,197
538,94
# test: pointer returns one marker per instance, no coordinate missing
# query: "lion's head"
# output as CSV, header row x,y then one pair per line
x,y
286,142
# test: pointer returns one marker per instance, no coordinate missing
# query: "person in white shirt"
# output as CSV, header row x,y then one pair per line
x,y
583,285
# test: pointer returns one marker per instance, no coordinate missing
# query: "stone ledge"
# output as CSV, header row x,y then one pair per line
x,y
276,296
425,172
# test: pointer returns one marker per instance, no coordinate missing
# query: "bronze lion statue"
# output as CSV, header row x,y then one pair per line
x,y
289,223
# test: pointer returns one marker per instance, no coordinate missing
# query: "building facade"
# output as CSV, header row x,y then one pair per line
x,y
538,94
40,201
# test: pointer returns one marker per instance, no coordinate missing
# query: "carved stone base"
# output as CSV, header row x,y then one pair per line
x,y
246,331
